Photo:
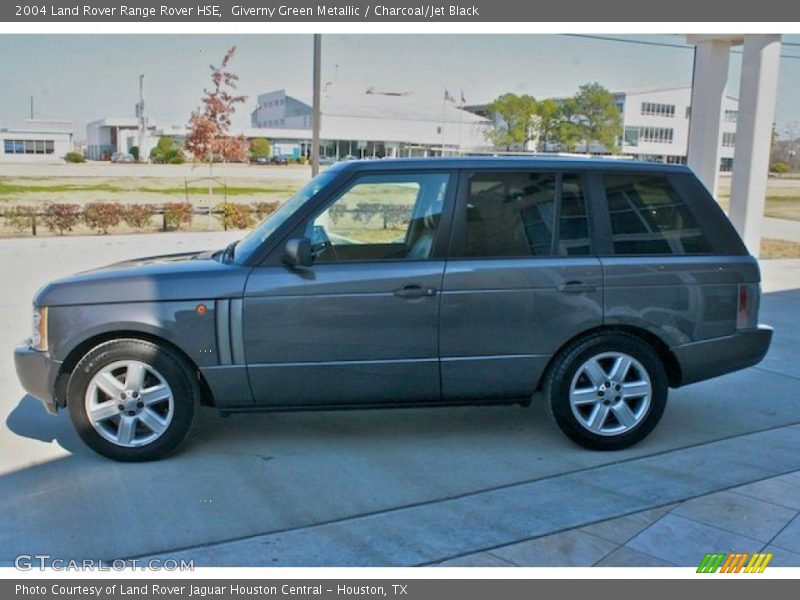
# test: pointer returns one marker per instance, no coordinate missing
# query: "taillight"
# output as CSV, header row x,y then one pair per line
x,y
741,313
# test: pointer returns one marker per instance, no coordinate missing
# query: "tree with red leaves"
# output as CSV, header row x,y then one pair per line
x,y
209,139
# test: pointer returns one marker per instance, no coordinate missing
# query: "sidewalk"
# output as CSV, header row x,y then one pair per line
x,y
757,517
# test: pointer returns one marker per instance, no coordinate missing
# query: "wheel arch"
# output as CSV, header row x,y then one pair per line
x,y
82,348
668,358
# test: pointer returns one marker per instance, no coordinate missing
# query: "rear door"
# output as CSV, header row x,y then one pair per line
x,y
521,279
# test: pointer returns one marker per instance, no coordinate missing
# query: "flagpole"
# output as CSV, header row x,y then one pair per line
x,y
460,116
444,105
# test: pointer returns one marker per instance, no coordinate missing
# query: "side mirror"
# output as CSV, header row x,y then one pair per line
x,y
297,253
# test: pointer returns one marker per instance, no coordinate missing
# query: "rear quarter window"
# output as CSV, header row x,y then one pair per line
x,y
649,216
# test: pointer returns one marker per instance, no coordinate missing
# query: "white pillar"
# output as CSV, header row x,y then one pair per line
x,y
757,96
708,92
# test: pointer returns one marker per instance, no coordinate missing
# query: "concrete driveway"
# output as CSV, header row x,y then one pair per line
x,y
394,487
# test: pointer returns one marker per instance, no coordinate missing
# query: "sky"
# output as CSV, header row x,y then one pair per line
x,y
87,77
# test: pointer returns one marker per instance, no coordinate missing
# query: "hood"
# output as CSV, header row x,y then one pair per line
x,y
169,277
157,260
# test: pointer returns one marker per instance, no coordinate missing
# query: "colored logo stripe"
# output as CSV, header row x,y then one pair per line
x,y
758,563
734,562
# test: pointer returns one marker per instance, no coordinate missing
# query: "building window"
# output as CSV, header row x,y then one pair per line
x,y
631,136
658,110
28,146
731,116
656,135
728,139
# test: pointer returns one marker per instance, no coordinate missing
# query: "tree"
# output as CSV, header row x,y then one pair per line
x,y
260,148
549,123
597,117
514,121
209,137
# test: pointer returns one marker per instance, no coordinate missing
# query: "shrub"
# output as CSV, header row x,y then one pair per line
x,y
61,217
262,210
259,148
301,160
167,152
138,216
235,216
102,216
779,168
74,157
177,214
20,217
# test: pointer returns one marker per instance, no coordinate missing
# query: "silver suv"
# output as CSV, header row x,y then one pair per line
x,y
415,283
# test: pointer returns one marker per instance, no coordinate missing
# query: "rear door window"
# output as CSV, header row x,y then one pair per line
x,y
524,214
648,216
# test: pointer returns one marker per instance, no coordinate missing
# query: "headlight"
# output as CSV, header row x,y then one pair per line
x,y
39,333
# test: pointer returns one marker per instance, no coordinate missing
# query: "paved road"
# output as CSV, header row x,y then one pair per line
x,y
384,476
781,229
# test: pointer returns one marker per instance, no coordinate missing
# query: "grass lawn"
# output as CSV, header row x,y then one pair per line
x,y
19,190
778,205
771,248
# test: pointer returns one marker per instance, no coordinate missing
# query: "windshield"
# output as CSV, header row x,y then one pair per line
x,y
259,235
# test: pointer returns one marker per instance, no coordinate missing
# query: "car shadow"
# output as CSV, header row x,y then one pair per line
x,y
29,419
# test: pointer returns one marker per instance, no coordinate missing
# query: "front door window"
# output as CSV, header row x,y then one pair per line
x,y
381,217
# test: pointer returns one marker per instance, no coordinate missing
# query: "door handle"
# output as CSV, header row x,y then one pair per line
x,y
415,291
576,287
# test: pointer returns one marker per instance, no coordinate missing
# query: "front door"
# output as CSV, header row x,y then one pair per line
x,y
361,325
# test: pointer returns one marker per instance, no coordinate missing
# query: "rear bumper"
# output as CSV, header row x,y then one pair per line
x,y
711,358
37,373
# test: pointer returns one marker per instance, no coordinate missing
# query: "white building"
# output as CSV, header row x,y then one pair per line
x,y
656,125
108,135
277,109
38,140
366,122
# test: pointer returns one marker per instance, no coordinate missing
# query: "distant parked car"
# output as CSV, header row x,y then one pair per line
x,y
279,160
259,160
122,157
598,283
326,160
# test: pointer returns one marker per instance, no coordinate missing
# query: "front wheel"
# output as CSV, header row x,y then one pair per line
x,y
132,400
607,391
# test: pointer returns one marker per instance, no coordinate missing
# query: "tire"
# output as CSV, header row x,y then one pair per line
x,y
132,400
594,414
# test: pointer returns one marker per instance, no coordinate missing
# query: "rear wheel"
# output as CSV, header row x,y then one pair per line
x,y
132,400
607,391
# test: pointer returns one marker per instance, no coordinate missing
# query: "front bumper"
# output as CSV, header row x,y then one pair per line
x,y
37,373
714,357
